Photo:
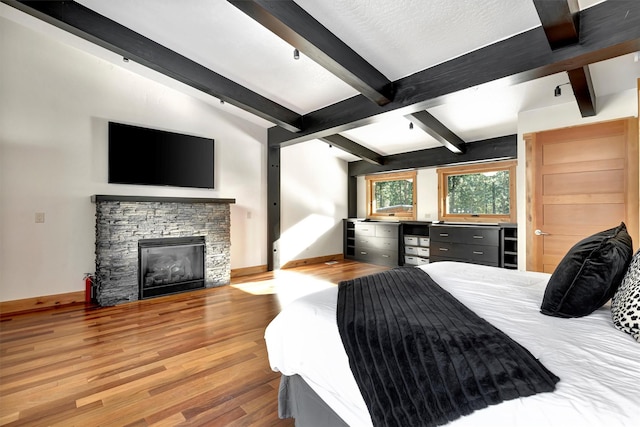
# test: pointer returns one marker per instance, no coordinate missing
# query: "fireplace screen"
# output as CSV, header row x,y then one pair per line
x,y
170,265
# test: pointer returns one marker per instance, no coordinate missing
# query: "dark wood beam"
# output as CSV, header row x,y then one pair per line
x,y
437,130
504,147
354,148
608,30
560,21
89,25
295,26
580,80
273,208
352,196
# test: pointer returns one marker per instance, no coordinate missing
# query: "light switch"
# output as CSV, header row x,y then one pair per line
x,y
39,217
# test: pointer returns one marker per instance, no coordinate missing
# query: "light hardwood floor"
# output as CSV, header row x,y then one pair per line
x,y
192,359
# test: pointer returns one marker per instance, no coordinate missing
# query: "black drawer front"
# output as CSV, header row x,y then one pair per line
x,y
447,249
481,254
380,257
377,243
468,235
387,230
365,229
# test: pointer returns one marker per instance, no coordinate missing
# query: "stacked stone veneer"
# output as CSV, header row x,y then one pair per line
x,y
120,224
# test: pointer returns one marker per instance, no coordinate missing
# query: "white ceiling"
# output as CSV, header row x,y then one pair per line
x,y
398,37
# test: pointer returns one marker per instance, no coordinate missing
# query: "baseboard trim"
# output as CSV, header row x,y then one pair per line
x,y
8,308
316,260
247,271
41,303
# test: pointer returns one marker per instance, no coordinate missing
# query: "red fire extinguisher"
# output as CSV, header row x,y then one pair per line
x,y
88,288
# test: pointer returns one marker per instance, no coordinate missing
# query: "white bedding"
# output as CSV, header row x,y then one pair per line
x,y
598,366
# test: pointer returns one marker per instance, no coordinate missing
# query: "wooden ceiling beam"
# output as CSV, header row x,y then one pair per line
x,y
608,30
354,148
501,148
560,21
580,79
89,25
438,131
294,25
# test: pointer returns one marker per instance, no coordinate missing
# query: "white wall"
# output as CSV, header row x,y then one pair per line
x,y
313,201
55,102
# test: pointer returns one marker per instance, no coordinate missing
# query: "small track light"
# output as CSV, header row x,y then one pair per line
x,y
410,125
296,54
557,91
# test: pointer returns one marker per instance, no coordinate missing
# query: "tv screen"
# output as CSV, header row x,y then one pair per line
x,y
153,157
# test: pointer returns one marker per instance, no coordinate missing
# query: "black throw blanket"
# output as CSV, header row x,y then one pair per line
x,y
422,358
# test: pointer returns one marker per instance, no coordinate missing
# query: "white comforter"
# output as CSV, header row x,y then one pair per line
x,y
598,366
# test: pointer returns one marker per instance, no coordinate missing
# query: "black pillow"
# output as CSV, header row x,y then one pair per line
x,y
589,274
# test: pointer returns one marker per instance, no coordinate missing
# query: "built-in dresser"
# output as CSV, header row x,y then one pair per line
x,y
416,243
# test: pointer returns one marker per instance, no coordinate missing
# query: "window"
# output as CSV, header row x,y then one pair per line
x,y
478,193
391,195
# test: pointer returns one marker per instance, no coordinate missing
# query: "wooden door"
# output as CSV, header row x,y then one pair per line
x,y
580,180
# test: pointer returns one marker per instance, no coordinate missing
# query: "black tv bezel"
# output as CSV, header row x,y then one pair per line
x,y
157,134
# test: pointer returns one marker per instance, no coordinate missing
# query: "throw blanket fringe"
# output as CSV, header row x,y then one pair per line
x,y
422,358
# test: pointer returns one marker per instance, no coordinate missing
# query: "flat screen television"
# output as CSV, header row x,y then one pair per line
x,y
139,155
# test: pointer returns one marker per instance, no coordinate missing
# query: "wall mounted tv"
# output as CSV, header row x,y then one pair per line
x,y
153,157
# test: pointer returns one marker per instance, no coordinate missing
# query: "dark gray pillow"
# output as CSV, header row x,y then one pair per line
x,y
589,274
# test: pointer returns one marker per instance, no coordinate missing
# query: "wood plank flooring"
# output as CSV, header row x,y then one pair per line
x,y
195,359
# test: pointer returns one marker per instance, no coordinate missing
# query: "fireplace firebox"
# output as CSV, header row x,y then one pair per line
x,y
170,265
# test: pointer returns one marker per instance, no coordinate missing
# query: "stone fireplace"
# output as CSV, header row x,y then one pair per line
x,y
125,222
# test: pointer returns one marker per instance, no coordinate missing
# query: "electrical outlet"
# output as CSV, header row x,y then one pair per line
x,y
39,217
427,216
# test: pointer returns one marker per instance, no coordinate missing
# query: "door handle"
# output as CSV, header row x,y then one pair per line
x,y
540,233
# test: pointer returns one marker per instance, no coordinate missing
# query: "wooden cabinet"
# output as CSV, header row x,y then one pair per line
x,y
477,244
372,242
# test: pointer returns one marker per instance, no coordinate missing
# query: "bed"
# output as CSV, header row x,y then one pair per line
x,y
598,366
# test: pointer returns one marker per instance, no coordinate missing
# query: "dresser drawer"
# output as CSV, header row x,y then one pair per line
x,y
377,256
365,229
385,243
468,235
480,254
483,254
387,230
482,236
447,249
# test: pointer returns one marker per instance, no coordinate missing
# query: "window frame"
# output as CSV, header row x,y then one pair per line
x,y
394,176
444,173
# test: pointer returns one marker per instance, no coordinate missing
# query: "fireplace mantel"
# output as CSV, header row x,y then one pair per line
x,y
116,198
